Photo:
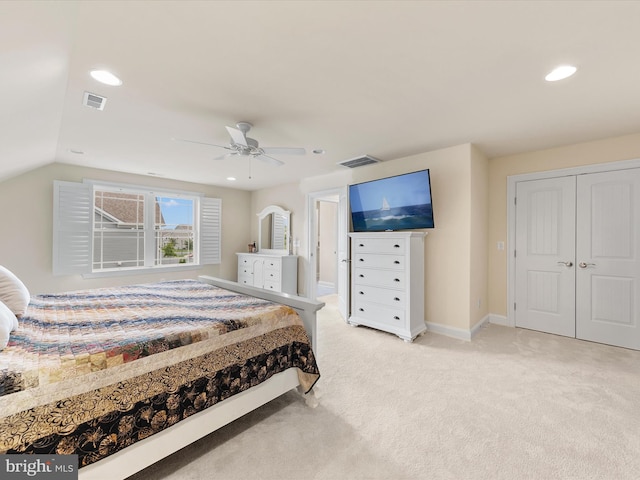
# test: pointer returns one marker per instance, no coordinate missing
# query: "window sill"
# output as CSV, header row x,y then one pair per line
x,y
123,272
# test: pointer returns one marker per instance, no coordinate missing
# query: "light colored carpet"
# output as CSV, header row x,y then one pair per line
x,y
511,404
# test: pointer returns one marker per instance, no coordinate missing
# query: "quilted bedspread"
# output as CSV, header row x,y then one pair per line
x,y
91,372
70,334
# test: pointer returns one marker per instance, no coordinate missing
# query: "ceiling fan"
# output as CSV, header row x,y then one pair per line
x,y
244,146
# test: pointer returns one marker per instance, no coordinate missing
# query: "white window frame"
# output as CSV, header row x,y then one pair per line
x,y
73,223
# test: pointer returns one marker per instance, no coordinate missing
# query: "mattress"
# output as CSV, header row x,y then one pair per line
x,y
93,371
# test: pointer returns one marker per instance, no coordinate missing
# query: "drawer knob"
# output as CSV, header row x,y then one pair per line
x,y
361,259
396,279
396,317
396,299
361,245
396,246
361,276
397,262
361,293
361,309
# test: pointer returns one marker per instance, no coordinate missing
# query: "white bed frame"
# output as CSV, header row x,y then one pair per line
x,y
146,452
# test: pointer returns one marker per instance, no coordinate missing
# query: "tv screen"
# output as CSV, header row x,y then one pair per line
x,y
402,202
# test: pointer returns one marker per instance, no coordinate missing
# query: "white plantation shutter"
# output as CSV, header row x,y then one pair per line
x,y
277,235
210,230
72,228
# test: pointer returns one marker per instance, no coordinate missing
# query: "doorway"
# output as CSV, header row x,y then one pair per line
x,y
575,256
328,244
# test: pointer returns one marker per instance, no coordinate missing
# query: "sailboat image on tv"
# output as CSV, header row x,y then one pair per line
x,y
410,194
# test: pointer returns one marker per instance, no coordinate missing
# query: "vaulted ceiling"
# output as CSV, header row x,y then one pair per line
x,y
385,78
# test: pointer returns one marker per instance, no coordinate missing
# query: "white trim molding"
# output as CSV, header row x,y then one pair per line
x,y
455,332
496,319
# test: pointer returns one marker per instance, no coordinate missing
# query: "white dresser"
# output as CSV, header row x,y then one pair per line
x,y
269,271
387,282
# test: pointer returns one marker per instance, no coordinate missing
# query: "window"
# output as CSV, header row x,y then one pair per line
x,y
104,228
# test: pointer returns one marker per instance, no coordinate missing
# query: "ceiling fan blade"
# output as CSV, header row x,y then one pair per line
x,y
226,155
284,151
237,136
270,160
200,143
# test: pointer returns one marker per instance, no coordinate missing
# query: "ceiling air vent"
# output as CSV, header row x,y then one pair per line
x,y
94,101
359,161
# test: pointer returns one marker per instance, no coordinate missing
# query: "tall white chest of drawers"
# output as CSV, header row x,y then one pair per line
x,y
387,282
269,271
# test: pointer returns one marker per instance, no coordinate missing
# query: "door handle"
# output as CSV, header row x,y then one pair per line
x,y
585,264
566,264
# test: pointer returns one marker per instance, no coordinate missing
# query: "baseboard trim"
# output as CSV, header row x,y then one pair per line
x,y
500,320
446,330
461,333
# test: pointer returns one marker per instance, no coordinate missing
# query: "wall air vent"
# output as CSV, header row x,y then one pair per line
x,y
94,101
359,161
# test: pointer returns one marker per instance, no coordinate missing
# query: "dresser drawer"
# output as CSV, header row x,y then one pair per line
x,y
271,276
379,278
396,262
384,296
394,317
379,245
245,270
272,285
272,264
245,262
244,279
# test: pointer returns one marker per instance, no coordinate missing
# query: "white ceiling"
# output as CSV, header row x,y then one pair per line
x,y
385,78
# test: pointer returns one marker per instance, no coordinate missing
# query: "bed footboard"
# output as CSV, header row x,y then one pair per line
x,y
305,307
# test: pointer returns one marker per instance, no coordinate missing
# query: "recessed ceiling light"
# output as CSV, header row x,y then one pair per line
x,y
560,73
77,152
318,151
231,179
108,78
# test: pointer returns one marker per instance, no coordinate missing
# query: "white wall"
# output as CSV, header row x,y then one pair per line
x,y
26,223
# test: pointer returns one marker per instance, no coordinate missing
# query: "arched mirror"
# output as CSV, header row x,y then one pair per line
x,y
274,230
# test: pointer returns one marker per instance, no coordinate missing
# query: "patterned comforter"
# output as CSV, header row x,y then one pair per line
x,y
93,371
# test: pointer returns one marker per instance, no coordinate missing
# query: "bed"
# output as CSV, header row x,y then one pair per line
x,y
125,376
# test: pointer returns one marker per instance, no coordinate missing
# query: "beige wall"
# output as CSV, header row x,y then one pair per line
x,y
479,225
26,223
449,248
589,153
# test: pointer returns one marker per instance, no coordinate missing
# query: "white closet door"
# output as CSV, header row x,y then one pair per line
x,y
545,255
607,256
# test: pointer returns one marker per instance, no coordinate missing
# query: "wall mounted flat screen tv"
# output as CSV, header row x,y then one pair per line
x,y
402,202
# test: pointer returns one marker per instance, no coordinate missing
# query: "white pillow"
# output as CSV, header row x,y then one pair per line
x,y
8,322
13,293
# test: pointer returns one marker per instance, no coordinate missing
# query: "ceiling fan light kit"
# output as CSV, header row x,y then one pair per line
x,y
245,146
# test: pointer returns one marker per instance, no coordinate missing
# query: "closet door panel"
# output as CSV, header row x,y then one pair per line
x,y
607,256
545,255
